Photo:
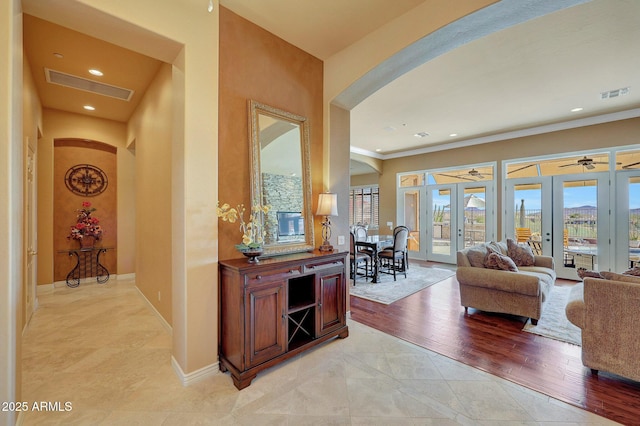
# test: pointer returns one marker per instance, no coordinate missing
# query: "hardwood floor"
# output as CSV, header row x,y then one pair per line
x,y
495,343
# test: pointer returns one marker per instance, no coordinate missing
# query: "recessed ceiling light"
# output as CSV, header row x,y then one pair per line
x,y
577,109
89,107
421,135
58,55
378,149
453,134
96,72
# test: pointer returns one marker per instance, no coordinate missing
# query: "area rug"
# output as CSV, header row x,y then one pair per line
x,y
388,291
554,323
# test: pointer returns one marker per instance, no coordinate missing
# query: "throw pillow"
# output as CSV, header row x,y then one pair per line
x,y
521,254
635,271
500,261
584,272
498,247
476,257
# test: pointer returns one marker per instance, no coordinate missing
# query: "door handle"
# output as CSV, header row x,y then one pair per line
x,y
32,252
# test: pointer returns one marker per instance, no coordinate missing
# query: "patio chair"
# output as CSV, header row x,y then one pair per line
x,y
523,235
569,260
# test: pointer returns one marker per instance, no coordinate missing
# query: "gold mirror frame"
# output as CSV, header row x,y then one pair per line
x,y
257,195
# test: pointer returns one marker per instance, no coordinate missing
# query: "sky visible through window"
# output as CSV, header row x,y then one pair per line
x,y
574,197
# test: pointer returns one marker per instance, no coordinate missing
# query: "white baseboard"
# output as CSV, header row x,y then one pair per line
x,y
89,280
194,376
164,322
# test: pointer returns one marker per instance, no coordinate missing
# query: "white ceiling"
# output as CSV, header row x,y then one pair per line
x,y
525,76
529,75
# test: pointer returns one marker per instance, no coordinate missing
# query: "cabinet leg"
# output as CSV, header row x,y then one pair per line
x,y
344,334
242,382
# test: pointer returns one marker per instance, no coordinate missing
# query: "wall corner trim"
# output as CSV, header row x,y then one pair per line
x,y
195,376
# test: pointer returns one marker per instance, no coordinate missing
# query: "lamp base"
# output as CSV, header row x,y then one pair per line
x,y
326,246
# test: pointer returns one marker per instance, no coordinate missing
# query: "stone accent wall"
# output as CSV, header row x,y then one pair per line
x,y
282,193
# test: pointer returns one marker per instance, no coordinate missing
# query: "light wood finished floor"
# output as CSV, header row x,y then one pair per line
x,y
434,319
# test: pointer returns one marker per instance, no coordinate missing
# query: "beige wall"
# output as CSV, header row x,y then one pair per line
x,y
64,125
618,133
363,180
150,129
255,64
11,207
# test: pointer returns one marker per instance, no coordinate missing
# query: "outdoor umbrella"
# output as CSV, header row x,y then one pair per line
x,y
472,203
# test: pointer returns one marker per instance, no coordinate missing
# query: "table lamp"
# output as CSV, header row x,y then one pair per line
x,y
327,206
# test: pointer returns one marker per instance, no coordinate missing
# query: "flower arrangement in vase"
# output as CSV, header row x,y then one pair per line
x,y
87,228
252,230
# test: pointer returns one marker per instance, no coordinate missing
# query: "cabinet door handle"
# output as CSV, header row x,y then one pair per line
x,y
258,277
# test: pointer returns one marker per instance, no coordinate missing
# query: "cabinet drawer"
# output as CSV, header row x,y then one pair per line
x,y
321,266
266,277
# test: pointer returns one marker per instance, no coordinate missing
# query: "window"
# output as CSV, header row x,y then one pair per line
x,y
364,205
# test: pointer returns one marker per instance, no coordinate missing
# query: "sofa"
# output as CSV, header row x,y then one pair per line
x,y
607,311
519,288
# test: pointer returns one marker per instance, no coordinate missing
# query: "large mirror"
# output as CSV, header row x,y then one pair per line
x,y
281,177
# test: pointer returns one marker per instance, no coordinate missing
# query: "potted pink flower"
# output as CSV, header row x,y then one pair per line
x,y
87,228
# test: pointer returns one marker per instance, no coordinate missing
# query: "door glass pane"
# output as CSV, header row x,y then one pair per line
x,y
441,214
528,215
474,216
634,221
580,209
412,219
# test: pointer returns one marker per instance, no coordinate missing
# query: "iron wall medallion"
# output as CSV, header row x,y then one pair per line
x,y
86,180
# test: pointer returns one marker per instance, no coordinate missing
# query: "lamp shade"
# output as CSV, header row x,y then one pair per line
x,y
327,204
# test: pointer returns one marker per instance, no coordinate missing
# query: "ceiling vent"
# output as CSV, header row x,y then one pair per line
x,y
614,93
68,80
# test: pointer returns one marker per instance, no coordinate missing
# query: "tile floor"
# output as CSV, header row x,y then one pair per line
x,y
101,348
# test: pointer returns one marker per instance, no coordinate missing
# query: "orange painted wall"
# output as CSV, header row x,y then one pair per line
x,y
255,64
69,153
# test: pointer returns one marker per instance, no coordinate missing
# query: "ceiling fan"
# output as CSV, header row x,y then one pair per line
x,y
631,166
472,175
585,162
522,168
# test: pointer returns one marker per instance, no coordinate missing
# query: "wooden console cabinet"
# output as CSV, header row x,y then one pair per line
x,y
277,308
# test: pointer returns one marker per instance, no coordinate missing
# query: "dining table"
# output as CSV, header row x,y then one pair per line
x,y
375,244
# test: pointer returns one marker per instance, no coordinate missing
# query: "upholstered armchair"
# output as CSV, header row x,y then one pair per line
x,y
608,312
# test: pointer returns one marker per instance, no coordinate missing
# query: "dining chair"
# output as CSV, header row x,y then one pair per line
x,y
406,252
394,259
357,259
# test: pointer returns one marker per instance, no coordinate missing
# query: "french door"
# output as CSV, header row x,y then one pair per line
x,y
412,214
528,204
627,229
442,241
567,214
459,215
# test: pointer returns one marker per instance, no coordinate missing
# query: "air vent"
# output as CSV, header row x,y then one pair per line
x,y
614,93
68,80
